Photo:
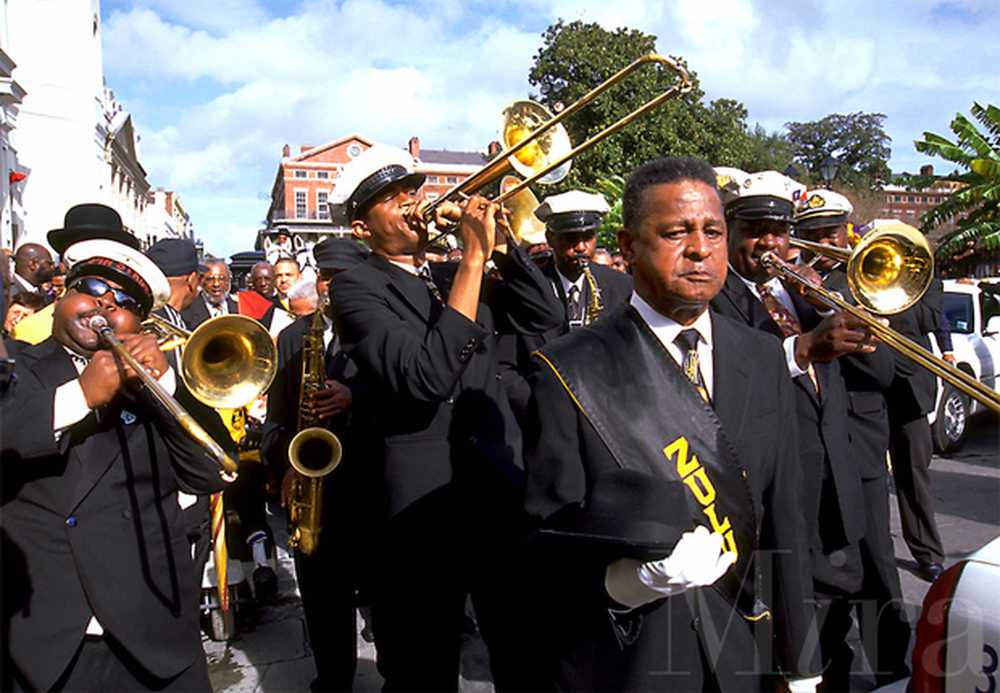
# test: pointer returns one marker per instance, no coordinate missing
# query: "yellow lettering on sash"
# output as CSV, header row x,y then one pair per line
x,y
731,542
720,527
703,492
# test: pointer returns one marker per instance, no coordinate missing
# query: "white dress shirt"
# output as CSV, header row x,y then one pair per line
x,y
410,268
666,330
215,311
780,293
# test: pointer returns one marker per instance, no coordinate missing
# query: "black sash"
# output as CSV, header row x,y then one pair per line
x,y
652,420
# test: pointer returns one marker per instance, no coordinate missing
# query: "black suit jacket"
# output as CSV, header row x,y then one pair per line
x,y
197,312
867,379
443,419
95,519
563,454
913,392
832,496
516,347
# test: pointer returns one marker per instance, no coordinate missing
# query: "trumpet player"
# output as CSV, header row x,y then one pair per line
x,y
444,440
97,571
329,576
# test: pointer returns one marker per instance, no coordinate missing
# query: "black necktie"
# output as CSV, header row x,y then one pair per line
x,y
687,340
425,274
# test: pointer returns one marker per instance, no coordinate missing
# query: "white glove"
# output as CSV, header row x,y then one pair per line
x,y
803,685
694,562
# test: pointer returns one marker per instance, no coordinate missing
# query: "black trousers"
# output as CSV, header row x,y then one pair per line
x,y
432,557
327,585
102,665
910,447
885,628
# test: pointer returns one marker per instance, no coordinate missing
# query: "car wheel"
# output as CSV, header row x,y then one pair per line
x,y
952,421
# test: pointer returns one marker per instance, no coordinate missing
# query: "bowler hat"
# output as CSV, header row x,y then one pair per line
x,y
627,513
90,221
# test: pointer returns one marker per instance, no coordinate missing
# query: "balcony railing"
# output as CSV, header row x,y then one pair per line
x,y
312,214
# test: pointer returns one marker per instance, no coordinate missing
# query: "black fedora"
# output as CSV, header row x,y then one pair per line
x,y
626,514
90,221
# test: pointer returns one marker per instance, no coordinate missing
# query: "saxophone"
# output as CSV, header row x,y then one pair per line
x,y
314,451
596,303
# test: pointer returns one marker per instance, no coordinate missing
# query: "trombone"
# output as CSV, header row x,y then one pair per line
x,y
887,272
537,146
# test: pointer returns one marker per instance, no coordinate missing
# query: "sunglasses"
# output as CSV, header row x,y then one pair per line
x,y
92,286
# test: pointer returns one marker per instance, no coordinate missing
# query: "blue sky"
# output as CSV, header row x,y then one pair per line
x,y
216,87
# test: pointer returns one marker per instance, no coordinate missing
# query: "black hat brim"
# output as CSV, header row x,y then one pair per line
x,y
821,221
374,184
761,207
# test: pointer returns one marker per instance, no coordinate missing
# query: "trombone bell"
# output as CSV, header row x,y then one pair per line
x,y
521,211
890,269
518,121
229,361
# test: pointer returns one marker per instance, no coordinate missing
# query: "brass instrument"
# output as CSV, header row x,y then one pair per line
x,y
888,271
314,451
100,325
596,302
537,146
228,361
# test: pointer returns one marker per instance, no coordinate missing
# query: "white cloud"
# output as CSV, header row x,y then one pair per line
x,y
443,69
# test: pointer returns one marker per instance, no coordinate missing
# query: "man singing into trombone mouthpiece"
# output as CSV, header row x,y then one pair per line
x,y
448,449
658,467
97,573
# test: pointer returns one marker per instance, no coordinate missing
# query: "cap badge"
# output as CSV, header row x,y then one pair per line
x,y
815,201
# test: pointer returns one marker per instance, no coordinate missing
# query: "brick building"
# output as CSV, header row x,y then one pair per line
x,y
305,180
910,204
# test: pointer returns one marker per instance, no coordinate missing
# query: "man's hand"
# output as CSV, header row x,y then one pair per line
x,y
146,350
477,229
101,379
334,399
949,357
839,334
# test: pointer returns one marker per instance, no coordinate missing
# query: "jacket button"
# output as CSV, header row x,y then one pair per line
x,y
695,623
71,521
127,514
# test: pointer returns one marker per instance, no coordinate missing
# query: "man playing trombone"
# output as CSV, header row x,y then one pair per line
x,y
448,446
98,577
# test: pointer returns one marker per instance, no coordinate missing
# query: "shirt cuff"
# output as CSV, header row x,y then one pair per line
x,y
803,685
168,381
793,366
68,407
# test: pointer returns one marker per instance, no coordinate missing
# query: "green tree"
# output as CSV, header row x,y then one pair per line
x,y
768,151
576,57
857,140
975,207
613,190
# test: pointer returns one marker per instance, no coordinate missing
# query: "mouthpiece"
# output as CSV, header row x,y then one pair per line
x,y
98,323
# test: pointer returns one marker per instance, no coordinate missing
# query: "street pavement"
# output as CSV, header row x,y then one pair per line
x,y
272,654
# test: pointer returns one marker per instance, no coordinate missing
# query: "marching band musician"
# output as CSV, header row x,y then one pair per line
x,y
651,512
822,217
448,448
759,217
571,221
97,568
329,578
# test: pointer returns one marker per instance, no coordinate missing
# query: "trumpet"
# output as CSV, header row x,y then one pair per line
x,y
100,325
537,146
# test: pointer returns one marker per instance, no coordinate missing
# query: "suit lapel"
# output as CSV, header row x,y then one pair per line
x,y
407,287
731,374
101,449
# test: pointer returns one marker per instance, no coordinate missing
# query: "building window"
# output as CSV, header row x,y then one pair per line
x,y
432,180
909,198
322,174
353,150
451,180
300,204
889,199
299,174
322,211
431,196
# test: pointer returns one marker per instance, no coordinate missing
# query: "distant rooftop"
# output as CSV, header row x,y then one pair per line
x,y
446,156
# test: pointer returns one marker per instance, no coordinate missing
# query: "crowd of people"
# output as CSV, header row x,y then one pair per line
x,y
662,468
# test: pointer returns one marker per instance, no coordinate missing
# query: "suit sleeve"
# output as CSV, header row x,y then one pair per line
x,y
783,538
28,402
195,469
281,415
423,368
524,296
